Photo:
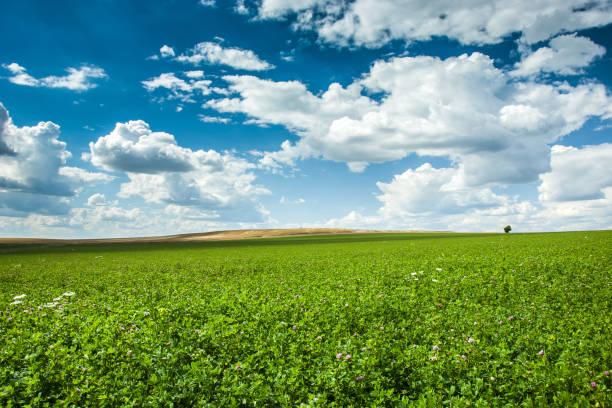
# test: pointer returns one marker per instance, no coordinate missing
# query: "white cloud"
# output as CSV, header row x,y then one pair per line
x,y
288,56
96,199
20,76
77,175
34,176
162,172
166,51
576,215
462,108
567,55
577,174
181,89
283,200
195,74
5,149
375,22
98,220
190,213
76,80
575,195
429,191
133,147
207,3
213,119
214,54
93,218
241,8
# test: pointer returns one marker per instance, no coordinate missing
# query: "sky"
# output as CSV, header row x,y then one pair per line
x,y
139,118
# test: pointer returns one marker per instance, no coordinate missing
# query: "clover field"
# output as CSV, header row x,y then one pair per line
x,y
388,320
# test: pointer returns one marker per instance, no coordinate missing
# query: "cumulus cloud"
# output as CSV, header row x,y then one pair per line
x,y
207,3
133,147
34,176
166,51
5,149
426,191
162,172
214,54
179,88
373,23
96,200
577,174
462,108
77,79
575,195
567,55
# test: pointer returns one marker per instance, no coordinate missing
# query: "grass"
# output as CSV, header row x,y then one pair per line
x,y
427,319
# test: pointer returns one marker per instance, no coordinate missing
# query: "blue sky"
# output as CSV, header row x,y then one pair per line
x,y
138,118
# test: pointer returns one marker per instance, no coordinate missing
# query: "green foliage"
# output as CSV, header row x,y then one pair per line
x,y
507,229
428,320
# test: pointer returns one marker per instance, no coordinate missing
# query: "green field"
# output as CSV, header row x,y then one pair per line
x,y
429,320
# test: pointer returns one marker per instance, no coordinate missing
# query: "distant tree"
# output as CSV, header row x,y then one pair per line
x,y
507,229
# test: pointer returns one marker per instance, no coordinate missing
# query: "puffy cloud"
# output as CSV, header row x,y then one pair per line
x,y
375,22
426,191
577,214
166,51
214,54
178,88
575,195
34,176
462,108
96,199
77,79
162,172
567,55
577,174
5,149
208,3
133,147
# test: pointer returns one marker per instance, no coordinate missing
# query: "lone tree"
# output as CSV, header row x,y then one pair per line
x,y
507,229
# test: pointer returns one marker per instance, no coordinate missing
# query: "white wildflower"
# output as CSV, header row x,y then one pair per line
x,y
50,304
68,294
57,299
19,297
16,302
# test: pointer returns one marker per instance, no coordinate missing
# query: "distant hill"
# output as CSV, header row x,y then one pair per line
x,y
209,236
